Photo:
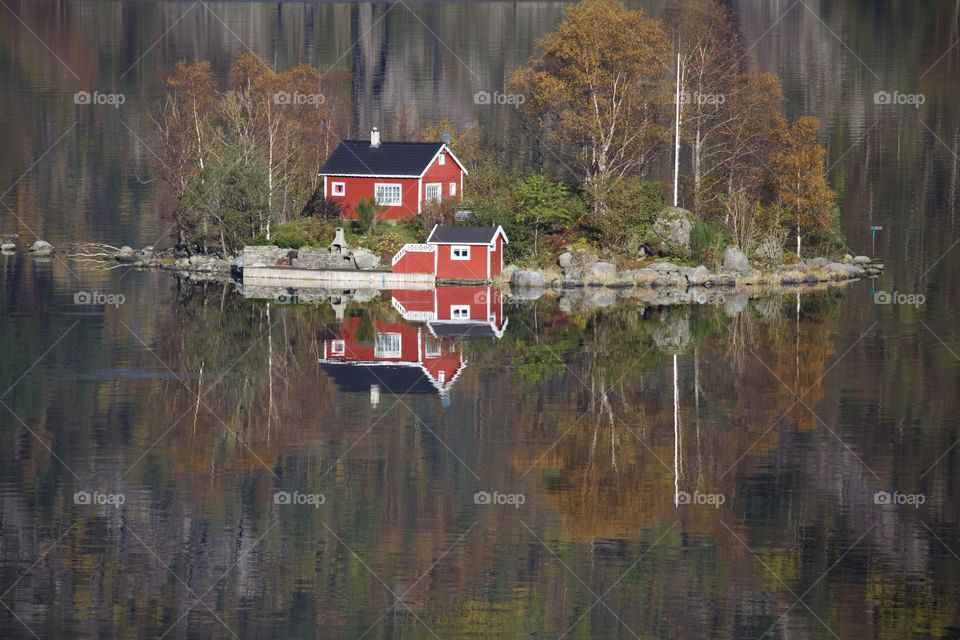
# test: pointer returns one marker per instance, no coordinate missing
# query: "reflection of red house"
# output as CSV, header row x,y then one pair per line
x,y
401,177
454,311
455,253
382,356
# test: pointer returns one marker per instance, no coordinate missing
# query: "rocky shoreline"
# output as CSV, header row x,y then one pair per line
x,y
576,271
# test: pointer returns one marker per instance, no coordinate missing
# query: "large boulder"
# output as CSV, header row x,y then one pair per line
x,y
575,263
41,248
664,267
366,259
735,260
698,276
599,273
639,277
126,254
672,228
527,278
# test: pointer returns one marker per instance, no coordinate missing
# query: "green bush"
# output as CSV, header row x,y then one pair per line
x,y
707,241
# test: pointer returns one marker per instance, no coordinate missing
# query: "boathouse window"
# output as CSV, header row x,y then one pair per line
x,y
338,189
459,252
453,188
433,192
460,312
443,159
433,347
387,345
387,195
337,347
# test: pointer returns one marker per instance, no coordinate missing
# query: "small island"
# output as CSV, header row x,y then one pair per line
x,y
611,101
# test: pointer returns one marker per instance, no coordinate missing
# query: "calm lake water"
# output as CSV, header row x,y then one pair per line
x,y
178,460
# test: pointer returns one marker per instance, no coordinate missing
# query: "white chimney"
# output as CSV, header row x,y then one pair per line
x,y
375,138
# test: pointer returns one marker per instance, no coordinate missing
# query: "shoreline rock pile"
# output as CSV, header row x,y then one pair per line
x,y
587,270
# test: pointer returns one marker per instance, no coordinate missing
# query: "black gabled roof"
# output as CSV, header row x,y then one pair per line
x,y
395,379
463,329
358,158
464,235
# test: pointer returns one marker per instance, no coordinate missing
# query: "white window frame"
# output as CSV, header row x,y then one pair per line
x,y
338,347
464,248
392,203
379,352
426,192
342,186
433,348
457,309
443,159
453,189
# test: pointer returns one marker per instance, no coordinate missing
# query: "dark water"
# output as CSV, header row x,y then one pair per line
x,y
202,411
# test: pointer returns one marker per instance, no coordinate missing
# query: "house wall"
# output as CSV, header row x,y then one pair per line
x,y
473,269
357,188
415,262
474,297
444,174
496,257
360,350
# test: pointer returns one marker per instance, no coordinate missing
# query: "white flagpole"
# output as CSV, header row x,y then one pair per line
x,y
676,143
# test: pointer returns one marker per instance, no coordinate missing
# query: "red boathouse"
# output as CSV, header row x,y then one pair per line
x,y
455,253
400,177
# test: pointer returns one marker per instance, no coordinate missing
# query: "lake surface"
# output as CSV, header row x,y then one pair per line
x,y
180,460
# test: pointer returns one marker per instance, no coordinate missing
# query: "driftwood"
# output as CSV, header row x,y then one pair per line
x,y
95,254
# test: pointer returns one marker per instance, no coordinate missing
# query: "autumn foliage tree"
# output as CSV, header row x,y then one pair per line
x,y
596,92
239,158
801,184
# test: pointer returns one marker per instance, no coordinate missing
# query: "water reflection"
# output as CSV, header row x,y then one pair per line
x,y
200,405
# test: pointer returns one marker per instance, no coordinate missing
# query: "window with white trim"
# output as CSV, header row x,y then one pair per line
x,y
387,195
433,192
337,347
443,159
459,312
387,345
433,347
453,188
338,188
460,252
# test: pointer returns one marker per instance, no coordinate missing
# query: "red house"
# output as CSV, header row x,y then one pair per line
x,y
471,312
396,358
401,177
455,253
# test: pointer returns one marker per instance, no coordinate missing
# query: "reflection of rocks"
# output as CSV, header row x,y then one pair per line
x,y
735,302
673,333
